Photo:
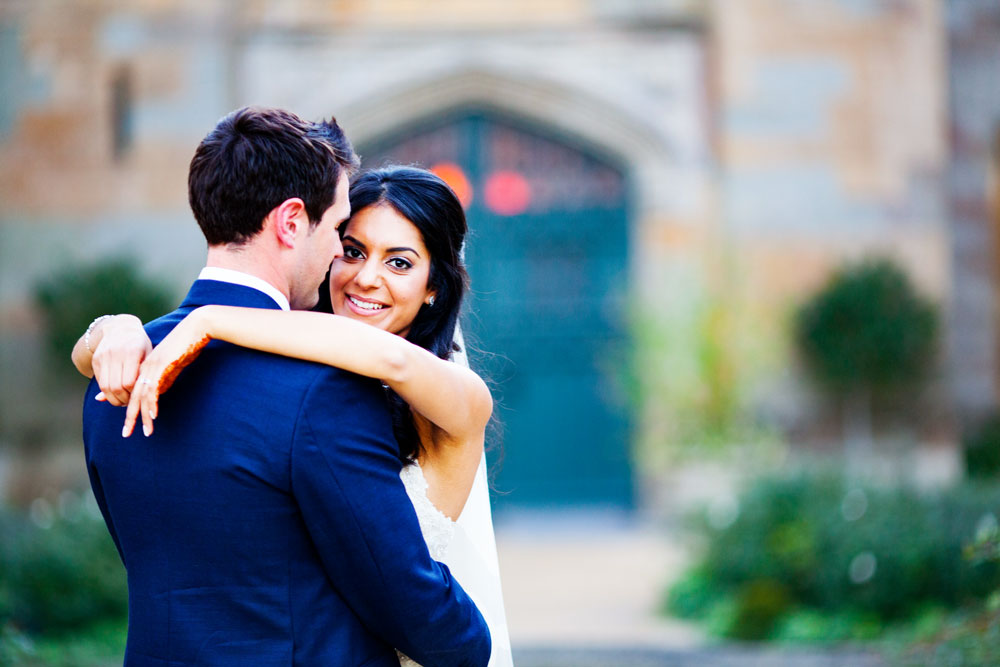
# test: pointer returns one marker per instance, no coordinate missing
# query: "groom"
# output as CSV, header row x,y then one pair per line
x,y
264,521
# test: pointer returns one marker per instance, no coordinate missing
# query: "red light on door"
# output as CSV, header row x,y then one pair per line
x,y
507,193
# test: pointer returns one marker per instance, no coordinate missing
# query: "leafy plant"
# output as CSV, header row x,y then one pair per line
x,y
697,367
981,448
816,546
971,636
99,645
58,574
72,298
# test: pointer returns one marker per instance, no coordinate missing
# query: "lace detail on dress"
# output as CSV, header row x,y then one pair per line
x,y
436,528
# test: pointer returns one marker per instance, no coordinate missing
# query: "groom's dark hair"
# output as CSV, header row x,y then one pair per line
x,y
256,158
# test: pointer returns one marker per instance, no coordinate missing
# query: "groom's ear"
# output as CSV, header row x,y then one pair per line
x,y
289,219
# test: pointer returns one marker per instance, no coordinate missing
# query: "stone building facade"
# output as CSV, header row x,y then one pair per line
x,y
764,142
974,133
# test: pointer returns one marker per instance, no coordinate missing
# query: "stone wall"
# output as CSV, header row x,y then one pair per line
x,y
974,100
832,147
767,141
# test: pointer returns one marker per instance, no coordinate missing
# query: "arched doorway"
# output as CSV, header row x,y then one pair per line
x,y
547,256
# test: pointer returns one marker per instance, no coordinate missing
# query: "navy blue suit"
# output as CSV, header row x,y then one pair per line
x,y
264,521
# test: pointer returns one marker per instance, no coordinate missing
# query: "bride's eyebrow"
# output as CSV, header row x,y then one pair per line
x,y
403,249
358,243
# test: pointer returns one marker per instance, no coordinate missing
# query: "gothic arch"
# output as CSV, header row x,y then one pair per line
x,y
617,132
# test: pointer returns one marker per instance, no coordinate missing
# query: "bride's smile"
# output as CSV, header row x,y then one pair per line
x,y
364,304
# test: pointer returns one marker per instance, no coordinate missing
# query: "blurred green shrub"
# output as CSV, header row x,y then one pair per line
x,y
972,636
72,298
99,645
867,328
59,571
982,450
698,366
814,547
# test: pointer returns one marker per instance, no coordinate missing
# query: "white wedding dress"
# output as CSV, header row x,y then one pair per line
x,y
467,546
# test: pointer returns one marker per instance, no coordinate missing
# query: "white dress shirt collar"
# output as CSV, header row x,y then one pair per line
x,y
245,279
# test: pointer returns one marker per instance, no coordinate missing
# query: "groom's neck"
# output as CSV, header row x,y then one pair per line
x,y
251,260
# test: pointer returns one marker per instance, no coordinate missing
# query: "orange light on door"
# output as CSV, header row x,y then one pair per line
x,y
454,176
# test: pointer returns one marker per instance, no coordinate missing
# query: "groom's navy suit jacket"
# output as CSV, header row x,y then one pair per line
x,y
264,521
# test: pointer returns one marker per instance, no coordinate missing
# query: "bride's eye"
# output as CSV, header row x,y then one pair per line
x,y
350,252
400,263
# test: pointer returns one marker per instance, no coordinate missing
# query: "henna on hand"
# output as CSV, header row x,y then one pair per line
x,y
175,367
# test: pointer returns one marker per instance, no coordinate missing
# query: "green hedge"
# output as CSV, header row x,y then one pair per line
x,y
981,447
70,299
59,572
815,557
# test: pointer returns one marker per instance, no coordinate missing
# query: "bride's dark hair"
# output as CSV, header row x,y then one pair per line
x,y
426,201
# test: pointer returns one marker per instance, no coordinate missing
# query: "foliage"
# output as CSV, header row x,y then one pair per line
x,y
982,450
99,645
691,376
970,637
969,642
814,556
59,572
72,298
867,328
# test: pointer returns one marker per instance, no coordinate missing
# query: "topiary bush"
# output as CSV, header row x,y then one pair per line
x,y
73,297
816,544
867,328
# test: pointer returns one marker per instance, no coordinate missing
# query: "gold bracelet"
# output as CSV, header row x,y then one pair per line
x,y
86,334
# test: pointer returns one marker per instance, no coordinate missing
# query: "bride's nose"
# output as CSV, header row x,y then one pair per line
x,y
368,275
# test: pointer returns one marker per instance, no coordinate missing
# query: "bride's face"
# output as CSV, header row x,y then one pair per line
x,y
381,279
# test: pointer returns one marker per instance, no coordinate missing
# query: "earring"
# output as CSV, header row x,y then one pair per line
x,y
430,301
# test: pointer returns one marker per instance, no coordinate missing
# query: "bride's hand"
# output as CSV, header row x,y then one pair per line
x,y
115,362
161,367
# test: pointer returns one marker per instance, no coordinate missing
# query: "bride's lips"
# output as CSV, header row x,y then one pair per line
x,y
364,307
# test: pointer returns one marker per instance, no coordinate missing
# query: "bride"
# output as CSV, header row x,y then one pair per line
x,y
401,273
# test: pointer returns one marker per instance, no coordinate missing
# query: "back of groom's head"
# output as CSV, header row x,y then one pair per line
x,y
255,159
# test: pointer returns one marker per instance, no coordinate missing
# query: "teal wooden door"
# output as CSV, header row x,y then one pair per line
x,y
547,257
